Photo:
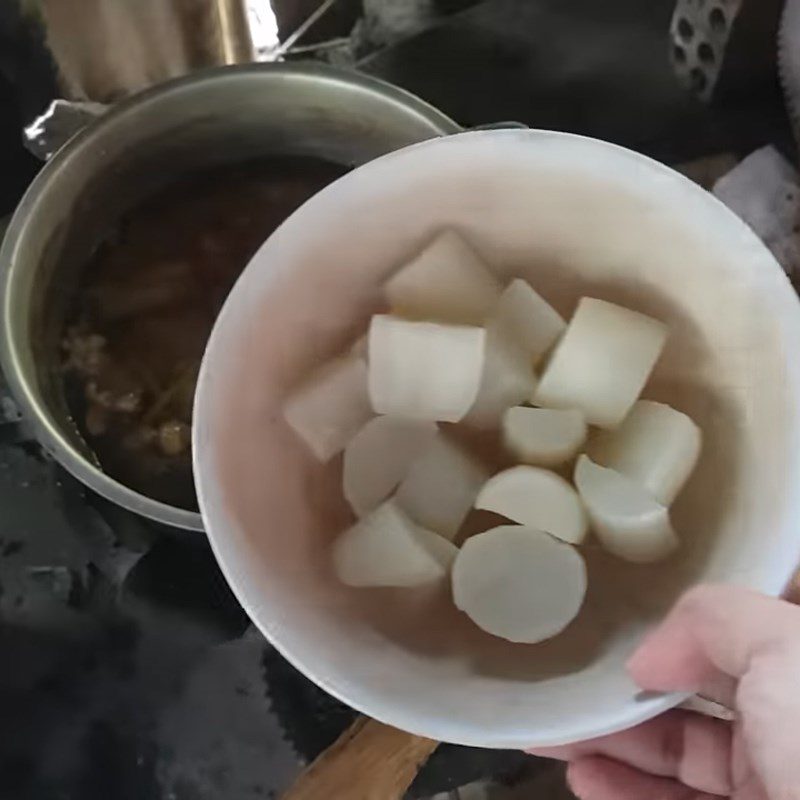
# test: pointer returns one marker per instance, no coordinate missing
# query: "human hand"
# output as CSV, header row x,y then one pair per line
x,y
735,647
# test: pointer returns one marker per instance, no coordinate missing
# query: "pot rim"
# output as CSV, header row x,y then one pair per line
x,y
34,410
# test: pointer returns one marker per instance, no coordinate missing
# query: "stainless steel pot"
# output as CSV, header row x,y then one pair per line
x,y
210,118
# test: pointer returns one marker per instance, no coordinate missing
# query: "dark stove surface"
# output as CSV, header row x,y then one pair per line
x,y
127,669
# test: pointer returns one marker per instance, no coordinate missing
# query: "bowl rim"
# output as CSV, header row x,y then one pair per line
x,y
34,410
648,704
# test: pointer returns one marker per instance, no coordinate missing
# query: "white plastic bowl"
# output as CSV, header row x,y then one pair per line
x,y
575,217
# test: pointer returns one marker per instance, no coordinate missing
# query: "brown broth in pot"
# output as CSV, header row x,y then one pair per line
x,y
146,304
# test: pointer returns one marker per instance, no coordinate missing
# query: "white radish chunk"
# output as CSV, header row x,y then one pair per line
x,y
522,314
519,583
424,370
545,437
443,550
446,282
441,486
386,548
330,406
521,328
537,498
655,446
602,362
378,458
507,380
627,520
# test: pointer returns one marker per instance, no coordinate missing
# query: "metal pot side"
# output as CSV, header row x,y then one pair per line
x,y
210,118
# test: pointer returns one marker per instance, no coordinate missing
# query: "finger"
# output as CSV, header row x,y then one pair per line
x,y
717,630
719,688
713,632
672,659
596,778
694,750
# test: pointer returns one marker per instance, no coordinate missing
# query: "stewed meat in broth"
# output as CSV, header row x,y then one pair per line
x,y
146,304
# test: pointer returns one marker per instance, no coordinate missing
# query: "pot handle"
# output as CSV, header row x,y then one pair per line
x,y
369,761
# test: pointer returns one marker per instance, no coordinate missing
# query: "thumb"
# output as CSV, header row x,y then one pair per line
x,y
709,639
719,634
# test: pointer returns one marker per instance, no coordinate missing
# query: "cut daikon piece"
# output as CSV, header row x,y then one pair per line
x,y
329,407
443,550
537,498
629,522
546,437
446,282
424,370
378,458
519,583
507,380
386,548
525,316
602,362
655,446
441,486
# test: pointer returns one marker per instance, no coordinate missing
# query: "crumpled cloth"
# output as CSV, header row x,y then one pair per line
x,y
764,190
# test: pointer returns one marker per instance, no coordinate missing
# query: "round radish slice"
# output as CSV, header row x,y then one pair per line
x,y
538,498
655,446
378,458
424,370
386,548
627,520
543,436
446,282
602,362
519,583
528,319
